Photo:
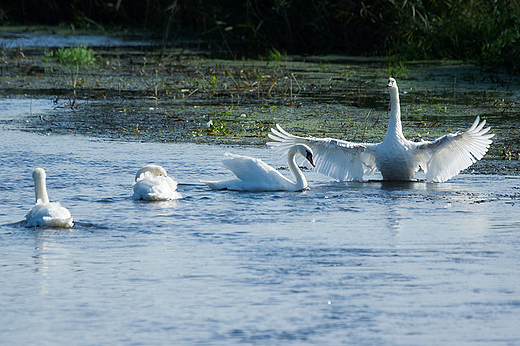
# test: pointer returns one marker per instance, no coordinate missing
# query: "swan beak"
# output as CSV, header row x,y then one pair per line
x,y
390,84
309,158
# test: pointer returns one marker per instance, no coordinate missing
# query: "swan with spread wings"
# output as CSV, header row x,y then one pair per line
x,y
395,157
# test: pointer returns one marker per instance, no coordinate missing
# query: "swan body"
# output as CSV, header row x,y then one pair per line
x,y
395,157
253,174
45,213
152,183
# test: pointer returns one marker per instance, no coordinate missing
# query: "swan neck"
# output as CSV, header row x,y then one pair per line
x,y
301,182
40,188
395,129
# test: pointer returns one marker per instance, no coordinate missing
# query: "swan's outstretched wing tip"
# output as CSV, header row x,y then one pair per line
x,y
477,125
274,137
276,129
280,128
273,144
448,155
284,134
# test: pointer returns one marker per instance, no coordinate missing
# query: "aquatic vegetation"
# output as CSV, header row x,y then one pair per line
x,y
397,68
77,56
274,54
331,96
216,128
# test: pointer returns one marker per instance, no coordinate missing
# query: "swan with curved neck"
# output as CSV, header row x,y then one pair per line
x,y
152,183
45,213
395,157
255,175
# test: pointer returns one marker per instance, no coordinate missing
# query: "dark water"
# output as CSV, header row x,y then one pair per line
x,y
342,263
31,40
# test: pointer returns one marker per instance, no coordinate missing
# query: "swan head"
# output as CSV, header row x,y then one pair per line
x,y
306,152
156,170
308,156
391,83
39,174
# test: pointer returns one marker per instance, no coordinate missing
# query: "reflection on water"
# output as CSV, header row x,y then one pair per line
x,y
342,263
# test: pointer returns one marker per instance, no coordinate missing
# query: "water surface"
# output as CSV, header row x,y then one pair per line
x,y
342,263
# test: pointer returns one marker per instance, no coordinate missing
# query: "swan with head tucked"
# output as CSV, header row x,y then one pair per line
x,y
255,175
152,183
395,157
46,213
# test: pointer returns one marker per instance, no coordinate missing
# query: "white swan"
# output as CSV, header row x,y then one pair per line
x,y
152,183
255,175
395,157
45,213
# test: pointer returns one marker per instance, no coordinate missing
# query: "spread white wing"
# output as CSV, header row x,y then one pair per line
x,y
249,168
335,158
446,156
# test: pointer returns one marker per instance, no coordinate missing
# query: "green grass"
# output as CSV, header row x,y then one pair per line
x,y
77,56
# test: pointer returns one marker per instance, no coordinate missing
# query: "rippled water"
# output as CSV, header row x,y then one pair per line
x,y
342,263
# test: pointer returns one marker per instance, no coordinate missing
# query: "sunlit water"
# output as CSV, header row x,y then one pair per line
x,y
341,263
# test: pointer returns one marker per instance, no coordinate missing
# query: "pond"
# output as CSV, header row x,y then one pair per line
x,y
341,263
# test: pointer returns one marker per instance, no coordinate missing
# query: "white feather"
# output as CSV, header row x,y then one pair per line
x,y
45,213
253,174
395,157
153,184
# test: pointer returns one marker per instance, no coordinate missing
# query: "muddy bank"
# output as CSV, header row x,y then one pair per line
x,y
151,94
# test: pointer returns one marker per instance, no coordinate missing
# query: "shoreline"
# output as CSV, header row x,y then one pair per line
x,y
129,94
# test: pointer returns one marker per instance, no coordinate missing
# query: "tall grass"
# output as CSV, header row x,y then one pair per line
x,y
484,31
487,31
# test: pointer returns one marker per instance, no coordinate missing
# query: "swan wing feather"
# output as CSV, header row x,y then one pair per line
x,y
446,156
50,214
335,158
155,188
254,172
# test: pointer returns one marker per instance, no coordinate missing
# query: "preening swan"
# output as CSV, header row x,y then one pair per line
x,y
255,175
152,183
395,157
45,213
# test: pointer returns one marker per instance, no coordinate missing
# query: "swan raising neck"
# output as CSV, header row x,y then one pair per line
x,y
45,213
395,157
395,129
40,187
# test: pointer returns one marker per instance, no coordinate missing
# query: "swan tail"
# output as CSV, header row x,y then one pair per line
x,y
214,185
